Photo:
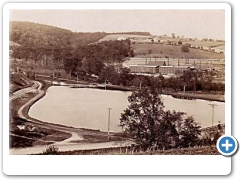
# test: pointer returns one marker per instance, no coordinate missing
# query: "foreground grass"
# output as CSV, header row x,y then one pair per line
x,y
203,150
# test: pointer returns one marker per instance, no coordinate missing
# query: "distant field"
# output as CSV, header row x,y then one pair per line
x,y
195,42
162,50
113,37
222,47
204,43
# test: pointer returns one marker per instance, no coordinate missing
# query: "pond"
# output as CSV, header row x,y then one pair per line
x,y
88,108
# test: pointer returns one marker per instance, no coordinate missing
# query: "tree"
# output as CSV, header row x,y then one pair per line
x,y
92,65
109,73
141,118
152,127
173,35
125,76
71,63
185,48
189,133
149,51
179,42
131,53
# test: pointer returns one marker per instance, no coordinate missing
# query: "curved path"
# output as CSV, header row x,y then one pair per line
x,y
68,144
38,85
75,137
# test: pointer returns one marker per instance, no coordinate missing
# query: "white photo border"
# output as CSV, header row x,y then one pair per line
x,y
115,164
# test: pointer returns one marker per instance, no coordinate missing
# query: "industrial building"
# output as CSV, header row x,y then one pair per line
x,y
172,69
144,69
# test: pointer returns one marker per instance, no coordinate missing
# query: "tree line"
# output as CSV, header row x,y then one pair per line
x,y
193,80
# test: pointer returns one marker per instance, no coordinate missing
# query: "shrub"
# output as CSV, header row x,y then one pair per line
x,y
51,150
185,48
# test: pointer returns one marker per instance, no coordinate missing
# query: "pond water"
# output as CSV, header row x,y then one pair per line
x,y
88,108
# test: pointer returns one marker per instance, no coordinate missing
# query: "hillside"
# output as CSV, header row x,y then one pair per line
x,y
172,51
28,34
34,34
18,80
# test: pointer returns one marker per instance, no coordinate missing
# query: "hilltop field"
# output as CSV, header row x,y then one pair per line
x,y
147,45
172,51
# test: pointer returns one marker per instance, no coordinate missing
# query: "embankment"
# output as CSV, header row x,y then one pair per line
x,y
23,110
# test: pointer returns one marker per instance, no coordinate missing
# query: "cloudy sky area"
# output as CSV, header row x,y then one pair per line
x,y
189,23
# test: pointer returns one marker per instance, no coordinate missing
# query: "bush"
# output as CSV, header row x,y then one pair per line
x,y
51,150
185,48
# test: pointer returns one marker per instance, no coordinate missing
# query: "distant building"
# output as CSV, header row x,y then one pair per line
x,y
154,64
167,70
172,69
154,61
144,69
121,38
156,40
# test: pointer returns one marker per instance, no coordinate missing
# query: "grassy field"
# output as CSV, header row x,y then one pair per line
x,y
171,51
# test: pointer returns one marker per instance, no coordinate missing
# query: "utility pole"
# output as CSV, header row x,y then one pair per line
x,y
105,84
140,85
184,88
109,111
213,106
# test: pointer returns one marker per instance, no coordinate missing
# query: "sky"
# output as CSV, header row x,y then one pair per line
x,y
188,23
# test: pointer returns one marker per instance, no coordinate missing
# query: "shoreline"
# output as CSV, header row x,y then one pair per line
x,y
42,92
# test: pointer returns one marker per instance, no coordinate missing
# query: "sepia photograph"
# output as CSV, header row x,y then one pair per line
x,y
116,81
